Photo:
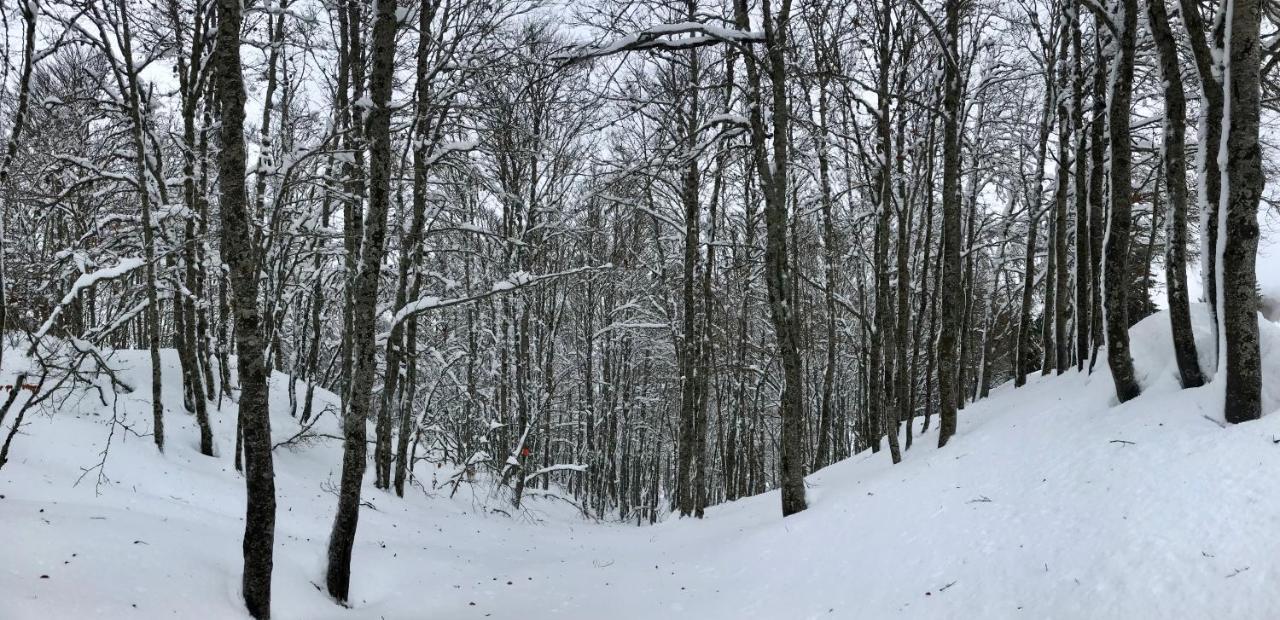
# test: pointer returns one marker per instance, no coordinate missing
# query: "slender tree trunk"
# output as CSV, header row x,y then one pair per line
x,y
1061,291
151,318
1243,185
30,16
241,257
822,454
690,380
364,301
1084,272
1097,190
951,302
1175,171
1117,279
778,276
1022,362
1206,48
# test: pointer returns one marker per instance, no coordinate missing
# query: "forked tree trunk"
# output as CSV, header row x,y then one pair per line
x,y
364,300
772,172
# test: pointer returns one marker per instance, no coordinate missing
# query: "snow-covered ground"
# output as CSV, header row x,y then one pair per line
x,y
1051,502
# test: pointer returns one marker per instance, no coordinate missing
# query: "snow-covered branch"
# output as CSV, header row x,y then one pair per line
x,y
86,280
677,36
514,281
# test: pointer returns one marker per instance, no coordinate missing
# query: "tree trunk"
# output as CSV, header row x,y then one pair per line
x,y
241,258
1084,273
690,380
1207,55
952,304
1175,170
1061,291
364,301
1117,280
151,318
1244,181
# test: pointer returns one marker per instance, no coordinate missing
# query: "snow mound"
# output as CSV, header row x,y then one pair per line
x,y
1051,501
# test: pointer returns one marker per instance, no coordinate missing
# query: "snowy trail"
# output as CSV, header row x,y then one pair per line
x,y
1049,503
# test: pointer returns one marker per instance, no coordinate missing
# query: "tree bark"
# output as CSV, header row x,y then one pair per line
x,y
951,301
778,277
1175,172
1061,291
364,300
1206,54
130,88
1243,181
1117,243
241,258
1084,271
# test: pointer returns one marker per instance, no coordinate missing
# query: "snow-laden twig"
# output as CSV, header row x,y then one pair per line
x,y
86,280
513,282
554,468
676,36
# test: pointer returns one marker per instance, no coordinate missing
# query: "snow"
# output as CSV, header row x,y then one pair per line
x,y
1224,193
124,266
660,36
1051,501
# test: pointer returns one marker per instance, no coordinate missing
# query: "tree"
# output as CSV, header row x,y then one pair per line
x,y
241,258
1241,191
1116,277
951,301
1175,170
771,151
364,300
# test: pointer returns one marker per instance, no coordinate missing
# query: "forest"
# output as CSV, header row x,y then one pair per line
x,y
641,257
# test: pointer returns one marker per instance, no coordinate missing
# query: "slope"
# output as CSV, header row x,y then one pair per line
x,y
1051,502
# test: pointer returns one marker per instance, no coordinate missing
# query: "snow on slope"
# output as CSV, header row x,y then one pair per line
x,y
1051,502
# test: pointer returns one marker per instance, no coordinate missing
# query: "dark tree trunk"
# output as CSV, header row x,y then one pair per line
x,y
30,18
241,257
1209,173
1097,191
1061,291
1175,170
773,173
951,301
364,300
1244,185
1117,244
822,454
143,174
1084,271
687,487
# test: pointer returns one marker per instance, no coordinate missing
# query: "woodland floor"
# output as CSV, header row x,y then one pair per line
x,y
1051,502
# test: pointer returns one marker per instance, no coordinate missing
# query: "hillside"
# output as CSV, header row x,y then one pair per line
x,y
1050,502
